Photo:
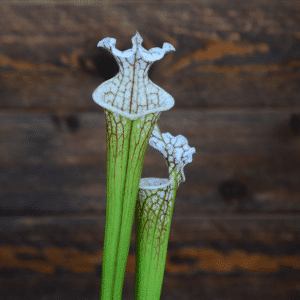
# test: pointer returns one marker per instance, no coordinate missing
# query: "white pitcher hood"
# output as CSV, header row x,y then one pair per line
x,y
131,93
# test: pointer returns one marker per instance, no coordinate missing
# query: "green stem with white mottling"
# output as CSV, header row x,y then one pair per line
x,y
132,104
153,214
126,146
153,222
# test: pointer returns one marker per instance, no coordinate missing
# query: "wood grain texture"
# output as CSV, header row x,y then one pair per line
x,y
202,244
190,288
223,256
244,162
236,83
242,54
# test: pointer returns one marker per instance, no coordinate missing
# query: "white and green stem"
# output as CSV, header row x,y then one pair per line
x,y
153,215
132,104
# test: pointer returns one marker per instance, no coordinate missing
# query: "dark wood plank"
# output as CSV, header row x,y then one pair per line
x,y
205,243
225,256
244,162
190,288
242,54
48,91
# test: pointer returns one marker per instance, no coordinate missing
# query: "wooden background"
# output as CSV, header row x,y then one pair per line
x,y
235,78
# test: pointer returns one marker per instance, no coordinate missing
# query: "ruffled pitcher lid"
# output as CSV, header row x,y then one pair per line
x,y
131,93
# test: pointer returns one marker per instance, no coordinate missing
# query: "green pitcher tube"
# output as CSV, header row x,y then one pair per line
x,y
153,215
132,104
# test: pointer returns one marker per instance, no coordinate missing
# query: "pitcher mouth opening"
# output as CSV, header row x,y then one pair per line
x,y
99,98
151,183
131,93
